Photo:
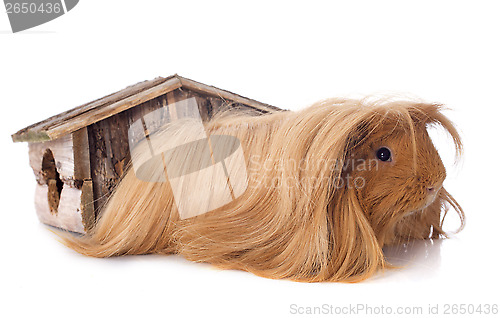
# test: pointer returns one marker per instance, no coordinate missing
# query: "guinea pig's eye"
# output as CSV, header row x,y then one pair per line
x,y
384,154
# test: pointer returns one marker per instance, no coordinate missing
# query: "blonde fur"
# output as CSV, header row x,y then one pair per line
x,y
294,222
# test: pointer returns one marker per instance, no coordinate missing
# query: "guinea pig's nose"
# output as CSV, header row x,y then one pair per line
x,y
433,189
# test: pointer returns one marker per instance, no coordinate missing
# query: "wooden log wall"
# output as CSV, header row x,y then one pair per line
x,y
108,139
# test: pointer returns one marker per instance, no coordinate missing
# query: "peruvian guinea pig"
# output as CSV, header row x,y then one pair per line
x,y
314,195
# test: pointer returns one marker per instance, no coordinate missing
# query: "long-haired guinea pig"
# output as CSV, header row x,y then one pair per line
x,y
318,195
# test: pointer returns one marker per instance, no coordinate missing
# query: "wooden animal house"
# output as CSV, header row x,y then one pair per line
x,y
79,156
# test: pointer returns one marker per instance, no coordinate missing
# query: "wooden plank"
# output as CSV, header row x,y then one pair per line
x,y
104,178
203,105
172,110
30,136
81,154
35,131
62,150
82,116
99,114
216,103
68,217
87,205
226,95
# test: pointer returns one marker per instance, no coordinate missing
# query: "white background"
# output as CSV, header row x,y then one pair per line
x,y
288,54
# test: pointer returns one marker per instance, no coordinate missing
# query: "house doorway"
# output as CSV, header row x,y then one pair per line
x,y
52,179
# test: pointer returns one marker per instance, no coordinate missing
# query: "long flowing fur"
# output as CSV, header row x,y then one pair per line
x,y
291,222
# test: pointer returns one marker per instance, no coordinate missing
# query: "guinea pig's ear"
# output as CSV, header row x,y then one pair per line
x,y
356,254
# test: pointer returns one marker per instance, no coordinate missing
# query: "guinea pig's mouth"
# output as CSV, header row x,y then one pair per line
x,y
412,212
427,201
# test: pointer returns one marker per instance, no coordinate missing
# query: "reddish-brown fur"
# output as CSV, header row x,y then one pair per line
x,y
296,223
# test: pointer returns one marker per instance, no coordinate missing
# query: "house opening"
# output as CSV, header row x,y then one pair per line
x,y
52,179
